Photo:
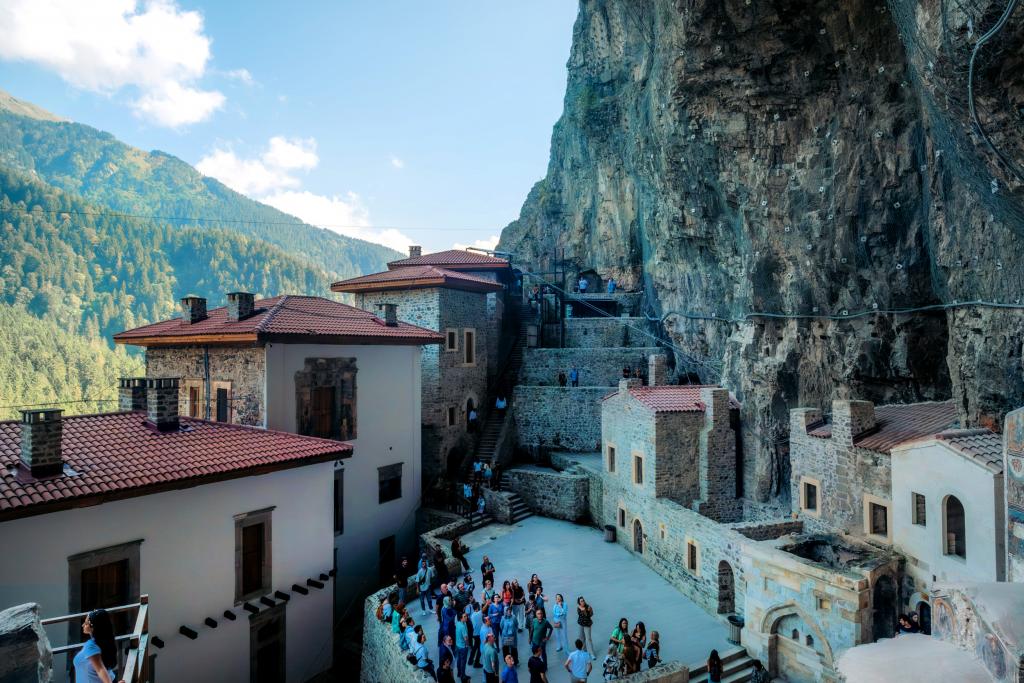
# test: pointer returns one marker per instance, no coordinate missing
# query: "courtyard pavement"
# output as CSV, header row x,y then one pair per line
x,y
574,560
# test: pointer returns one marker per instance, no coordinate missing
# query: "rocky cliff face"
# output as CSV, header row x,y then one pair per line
x,y
814,158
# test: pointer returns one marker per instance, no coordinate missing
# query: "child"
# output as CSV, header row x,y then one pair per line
x,y
611,663
653,651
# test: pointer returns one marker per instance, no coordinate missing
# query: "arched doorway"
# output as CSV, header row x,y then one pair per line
x,y
638,536
924,614
726,589
795,643
954,526
883,606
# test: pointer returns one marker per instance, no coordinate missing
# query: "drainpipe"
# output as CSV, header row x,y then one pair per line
x,y
206,380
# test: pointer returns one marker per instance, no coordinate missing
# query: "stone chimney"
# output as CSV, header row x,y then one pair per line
x,y
716,406
131,394
194,308
626,384
41,432
800,419
390,314
240,305
850,419
657,370
415,251
162,403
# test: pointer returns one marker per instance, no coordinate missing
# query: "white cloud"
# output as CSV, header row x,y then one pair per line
x,y
270,172
157,48
292,154
397,163
346,215
270,178
487,243
241,75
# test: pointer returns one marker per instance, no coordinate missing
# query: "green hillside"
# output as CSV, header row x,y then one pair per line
x,y
74,269
41,361
101,169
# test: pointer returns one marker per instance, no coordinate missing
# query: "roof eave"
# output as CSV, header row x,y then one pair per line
x,y
186,339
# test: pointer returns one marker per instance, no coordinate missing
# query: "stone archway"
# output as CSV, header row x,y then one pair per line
x,y
638,536
770,627
726,589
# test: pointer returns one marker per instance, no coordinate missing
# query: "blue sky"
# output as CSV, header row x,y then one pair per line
x,y
434,117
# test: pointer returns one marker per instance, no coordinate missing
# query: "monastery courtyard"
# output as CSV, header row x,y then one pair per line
x,y
574,560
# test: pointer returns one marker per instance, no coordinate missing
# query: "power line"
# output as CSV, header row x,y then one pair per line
x,y
202,219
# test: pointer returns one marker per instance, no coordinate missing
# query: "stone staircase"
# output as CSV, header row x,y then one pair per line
x,y
478,520
488,442
520,510
737,667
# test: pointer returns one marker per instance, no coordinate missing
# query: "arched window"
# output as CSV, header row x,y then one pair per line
x,y
955,529
795,635
810,641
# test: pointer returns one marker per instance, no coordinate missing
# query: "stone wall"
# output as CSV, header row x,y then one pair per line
x,y
666,672
25,655
844,471
567,419
447,381
498,505
607,332
597,366
769,531
382,658
628,302
561,495
244,367
428,519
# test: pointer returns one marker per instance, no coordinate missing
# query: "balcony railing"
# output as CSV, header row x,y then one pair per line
x,y
133,647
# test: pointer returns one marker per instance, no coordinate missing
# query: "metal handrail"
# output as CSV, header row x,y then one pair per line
x,y
136,665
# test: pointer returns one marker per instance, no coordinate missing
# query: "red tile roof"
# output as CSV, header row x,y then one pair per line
x,y
979,445
115,455
672,398
311,318
899,423
454,259
416,277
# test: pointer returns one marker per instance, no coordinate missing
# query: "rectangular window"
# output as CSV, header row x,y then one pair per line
x,y
611,458
267,645
339,502
810,496
252,554
622,517
107,577
223,407
193,398
325,398
389,483
469,347
879,519
451,340
691,556
638,470
322,411
452,416
920,515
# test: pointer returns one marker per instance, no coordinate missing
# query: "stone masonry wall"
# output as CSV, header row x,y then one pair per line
x,y
382,658
597,366
567,419
846,473
606,332
498,505
447,381
561,495
25,654
244,367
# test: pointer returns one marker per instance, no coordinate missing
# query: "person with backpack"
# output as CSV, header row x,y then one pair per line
x,y
653,652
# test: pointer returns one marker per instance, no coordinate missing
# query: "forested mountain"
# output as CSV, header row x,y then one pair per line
x,y
98,167
74,269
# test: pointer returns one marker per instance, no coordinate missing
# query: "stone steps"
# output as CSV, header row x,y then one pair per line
x,y
478,521
737,667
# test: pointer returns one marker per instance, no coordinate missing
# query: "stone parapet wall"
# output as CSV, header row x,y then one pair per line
x,y
561,495
628,302
25,654
768,530
666,672
382,658
597,366
607,332
564,418
498,505
428,519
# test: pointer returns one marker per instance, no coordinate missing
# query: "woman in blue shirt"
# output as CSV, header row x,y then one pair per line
x,y
558,612
96,662
509,636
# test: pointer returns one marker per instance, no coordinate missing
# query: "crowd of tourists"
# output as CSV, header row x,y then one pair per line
x,y
495,626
